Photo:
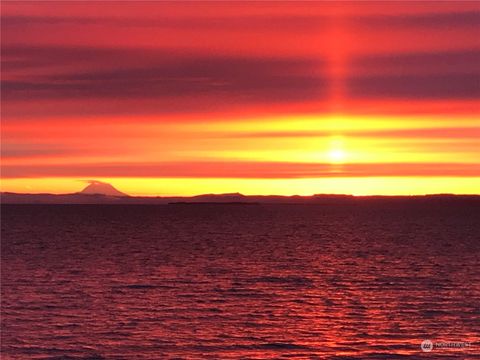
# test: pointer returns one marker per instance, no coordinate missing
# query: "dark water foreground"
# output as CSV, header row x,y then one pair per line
x,y
363,281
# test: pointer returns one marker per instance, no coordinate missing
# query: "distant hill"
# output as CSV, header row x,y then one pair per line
x,y
78,198
96,187
226,199
231,197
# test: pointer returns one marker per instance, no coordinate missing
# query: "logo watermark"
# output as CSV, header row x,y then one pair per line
x,y
428,345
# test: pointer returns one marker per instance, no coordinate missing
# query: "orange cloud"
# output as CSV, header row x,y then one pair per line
x,y
247,91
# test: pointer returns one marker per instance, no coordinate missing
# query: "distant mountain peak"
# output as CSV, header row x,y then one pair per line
x,y
96,187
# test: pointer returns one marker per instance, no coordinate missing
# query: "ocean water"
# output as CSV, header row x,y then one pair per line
x,y
361,281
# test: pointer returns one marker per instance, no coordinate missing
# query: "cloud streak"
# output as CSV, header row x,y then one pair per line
x,y
270,80
238,169
417,133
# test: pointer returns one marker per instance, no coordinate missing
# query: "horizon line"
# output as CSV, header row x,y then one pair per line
x,y
245,195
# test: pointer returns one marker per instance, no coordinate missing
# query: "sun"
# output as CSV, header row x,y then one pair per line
x,y
336,153
336,156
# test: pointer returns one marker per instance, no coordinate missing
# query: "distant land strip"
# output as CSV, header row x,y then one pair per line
x,y
225,199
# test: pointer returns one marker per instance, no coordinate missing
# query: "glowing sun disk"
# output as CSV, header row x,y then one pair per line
x,y
336,155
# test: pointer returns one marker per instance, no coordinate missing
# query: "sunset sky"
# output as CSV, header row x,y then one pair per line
x,y
171,98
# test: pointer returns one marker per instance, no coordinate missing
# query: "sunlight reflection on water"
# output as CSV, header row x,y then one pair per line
x,y
368,281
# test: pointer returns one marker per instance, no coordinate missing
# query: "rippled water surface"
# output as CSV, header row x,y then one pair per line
x,y
364,281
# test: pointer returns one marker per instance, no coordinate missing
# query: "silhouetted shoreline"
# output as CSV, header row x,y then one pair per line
x,y
231,199
212,203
